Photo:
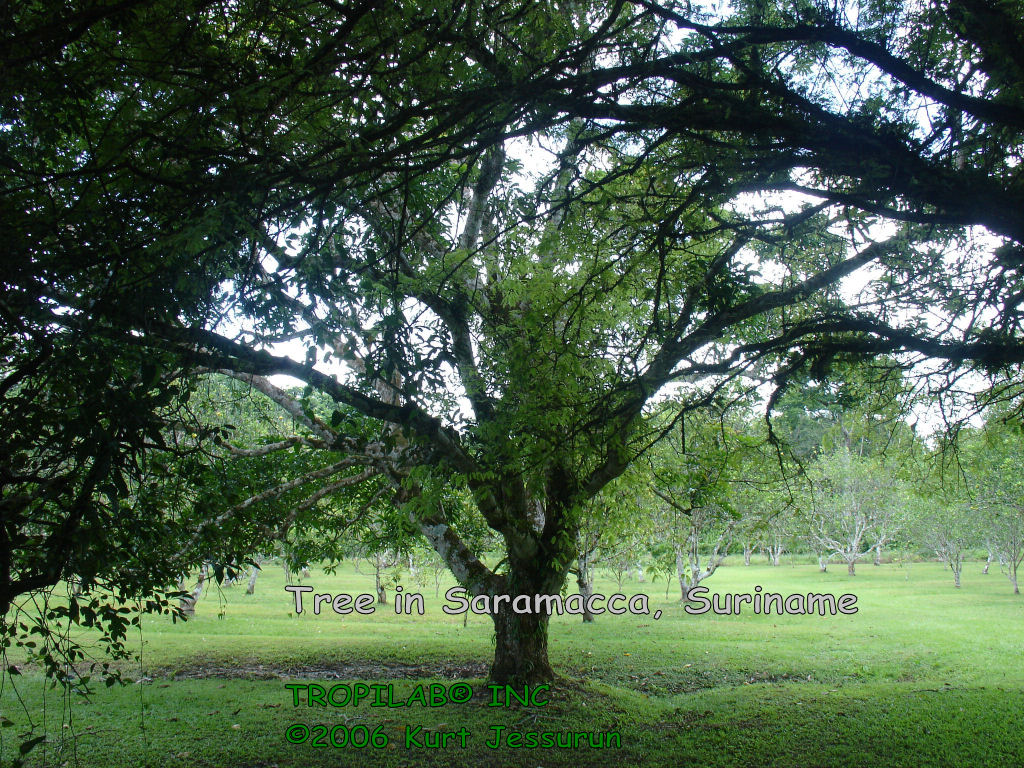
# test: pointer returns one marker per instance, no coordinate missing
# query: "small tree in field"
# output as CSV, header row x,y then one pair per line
x,y
763,495
1007,526
942,517
994,458
775,536
990,460
950,529
851,501
611,532
692,474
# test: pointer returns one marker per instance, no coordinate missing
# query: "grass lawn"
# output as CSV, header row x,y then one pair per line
x,y
922,675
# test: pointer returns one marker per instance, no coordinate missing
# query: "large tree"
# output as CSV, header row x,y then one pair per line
x,y
346,186
509,338
150,153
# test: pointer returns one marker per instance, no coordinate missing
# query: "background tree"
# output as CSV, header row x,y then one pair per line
x,y
763,488
692,474
992,463
941,514
852,504
611,531
775,533
950,530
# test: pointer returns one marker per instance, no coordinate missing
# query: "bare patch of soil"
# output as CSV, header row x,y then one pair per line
x,y
352,670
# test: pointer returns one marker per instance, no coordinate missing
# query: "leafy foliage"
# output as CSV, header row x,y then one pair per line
x,y
710,180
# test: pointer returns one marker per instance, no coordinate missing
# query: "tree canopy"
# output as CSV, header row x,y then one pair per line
x,y
497,233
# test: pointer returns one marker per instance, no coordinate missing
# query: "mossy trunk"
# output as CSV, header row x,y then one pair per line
x,y
521,639
521,648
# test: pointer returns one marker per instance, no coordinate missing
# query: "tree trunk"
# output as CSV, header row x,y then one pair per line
x,y
988,561
251,586
521,648
684,589
538,556
185,601
640,574
521,639
188,603
585,582
822,564
850,569
878,556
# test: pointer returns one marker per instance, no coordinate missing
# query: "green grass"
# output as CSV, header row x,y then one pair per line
x,y
922,675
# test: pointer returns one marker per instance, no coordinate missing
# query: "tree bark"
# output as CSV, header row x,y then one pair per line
x,y
188,603
251,586
521,639
521,648
585,582
850,568
684,589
